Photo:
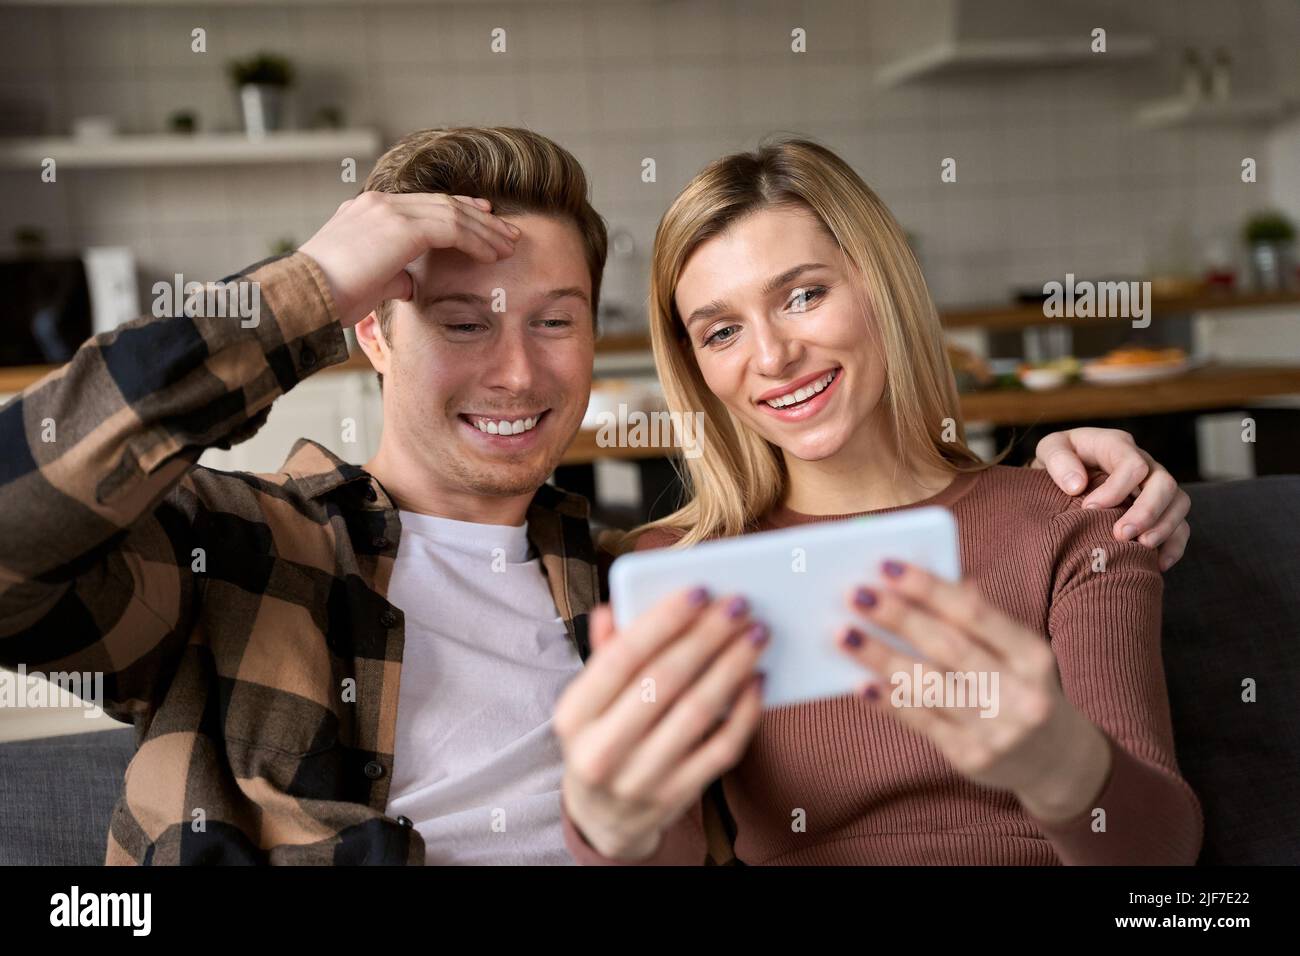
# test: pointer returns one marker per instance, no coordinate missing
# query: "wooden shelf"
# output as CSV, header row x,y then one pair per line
x,y
1204,389
584,451
613,344
996,318
1023,316
355,362
1208,388
15,378
1003,317
198,149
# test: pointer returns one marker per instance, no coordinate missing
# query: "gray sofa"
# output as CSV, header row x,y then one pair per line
x,y
1232,612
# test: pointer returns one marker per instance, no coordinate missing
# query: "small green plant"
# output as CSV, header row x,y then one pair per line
x,y
263,69
183,121
328,117
29,238
1269,227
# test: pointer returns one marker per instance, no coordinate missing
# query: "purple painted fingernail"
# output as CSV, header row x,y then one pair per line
x,y
893,569
757,635
736,607
854,638
698,597
864,597
872,692
1127,531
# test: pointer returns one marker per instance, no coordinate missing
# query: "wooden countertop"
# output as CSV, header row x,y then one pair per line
x,y
1016,316
1202,389
1211,387
1208,388
1002,317
16,378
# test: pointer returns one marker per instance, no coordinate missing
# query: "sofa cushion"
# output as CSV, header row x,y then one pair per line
x,y
1232,612
57,796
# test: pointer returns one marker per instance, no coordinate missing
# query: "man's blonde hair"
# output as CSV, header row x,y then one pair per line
x,y
518,170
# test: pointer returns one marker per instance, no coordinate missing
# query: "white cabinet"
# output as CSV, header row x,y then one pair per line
x,y
341,410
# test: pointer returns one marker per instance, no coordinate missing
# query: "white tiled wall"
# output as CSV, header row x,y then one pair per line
x,y
1052,175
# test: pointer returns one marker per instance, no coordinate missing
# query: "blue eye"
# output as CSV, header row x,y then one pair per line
x,y
808,295
718,332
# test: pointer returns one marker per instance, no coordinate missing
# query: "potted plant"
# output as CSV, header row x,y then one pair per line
x,y
183,121
262,80
1271,238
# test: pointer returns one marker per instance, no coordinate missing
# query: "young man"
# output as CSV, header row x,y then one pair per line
x,y
256,628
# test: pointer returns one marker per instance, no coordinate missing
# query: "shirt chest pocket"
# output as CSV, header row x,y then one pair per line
x,y
279,688
278,721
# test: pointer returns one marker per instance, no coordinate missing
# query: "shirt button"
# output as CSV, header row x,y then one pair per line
x,y
405,821
388,618
371,494
307,356
374,769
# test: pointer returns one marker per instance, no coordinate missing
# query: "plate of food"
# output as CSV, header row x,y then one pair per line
x,y
1133,366
971,371
1044,376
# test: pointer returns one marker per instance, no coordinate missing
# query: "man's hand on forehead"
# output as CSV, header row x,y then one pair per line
x,y
370,243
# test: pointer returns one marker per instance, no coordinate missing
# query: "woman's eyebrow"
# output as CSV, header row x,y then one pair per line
x,y
718,306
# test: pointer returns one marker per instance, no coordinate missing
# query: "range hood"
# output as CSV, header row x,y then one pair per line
x,y
934,38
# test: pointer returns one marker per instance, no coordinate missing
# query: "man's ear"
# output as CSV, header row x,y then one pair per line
x,y
371,339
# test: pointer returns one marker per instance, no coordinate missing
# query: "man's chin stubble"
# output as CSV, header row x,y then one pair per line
x,y
504,482
507,479
496,488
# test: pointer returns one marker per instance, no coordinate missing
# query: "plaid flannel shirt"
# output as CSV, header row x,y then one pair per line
x,y
240,621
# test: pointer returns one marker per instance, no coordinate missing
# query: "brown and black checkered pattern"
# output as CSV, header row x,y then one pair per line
x,y
240,620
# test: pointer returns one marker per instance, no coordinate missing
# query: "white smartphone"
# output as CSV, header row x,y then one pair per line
x,y
798,582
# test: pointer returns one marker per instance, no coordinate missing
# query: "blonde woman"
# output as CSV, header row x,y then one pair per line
x,y
788,307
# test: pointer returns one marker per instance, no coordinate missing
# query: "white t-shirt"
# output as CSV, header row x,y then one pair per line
x,y
477,767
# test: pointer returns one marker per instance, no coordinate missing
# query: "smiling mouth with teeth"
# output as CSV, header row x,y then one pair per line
x,y
803,394
504,426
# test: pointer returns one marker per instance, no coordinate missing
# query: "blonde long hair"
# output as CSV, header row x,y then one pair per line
x,y
739,475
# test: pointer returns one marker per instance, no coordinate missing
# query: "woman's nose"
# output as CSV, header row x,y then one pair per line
x,y
773,351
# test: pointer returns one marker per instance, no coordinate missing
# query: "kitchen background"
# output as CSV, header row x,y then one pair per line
x,y
1123,164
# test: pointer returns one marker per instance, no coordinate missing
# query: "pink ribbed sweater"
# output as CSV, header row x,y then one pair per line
x,y
872,791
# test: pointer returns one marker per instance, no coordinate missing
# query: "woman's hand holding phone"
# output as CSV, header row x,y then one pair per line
x,y
662,709
1036,743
